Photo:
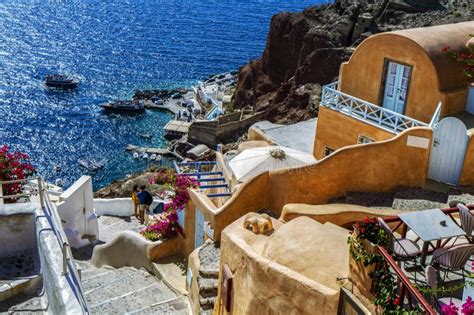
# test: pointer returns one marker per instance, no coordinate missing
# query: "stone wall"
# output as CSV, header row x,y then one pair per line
x,y
226,129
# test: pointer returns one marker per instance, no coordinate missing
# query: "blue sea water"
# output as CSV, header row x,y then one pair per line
x,y
114,48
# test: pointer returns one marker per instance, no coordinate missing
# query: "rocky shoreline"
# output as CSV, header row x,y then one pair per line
x,y
304,50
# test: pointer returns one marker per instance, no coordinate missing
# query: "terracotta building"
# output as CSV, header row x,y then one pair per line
x,y
398,80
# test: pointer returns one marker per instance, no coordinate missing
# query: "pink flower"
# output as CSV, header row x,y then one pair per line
x,y
450,309
468,307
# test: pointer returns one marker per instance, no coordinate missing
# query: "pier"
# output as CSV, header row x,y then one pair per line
x,y
157,151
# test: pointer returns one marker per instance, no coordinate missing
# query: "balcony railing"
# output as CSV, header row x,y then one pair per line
x,y
369,113
407,290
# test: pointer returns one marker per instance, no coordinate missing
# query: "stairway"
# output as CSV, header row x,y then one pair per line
x,y
208,277
128,290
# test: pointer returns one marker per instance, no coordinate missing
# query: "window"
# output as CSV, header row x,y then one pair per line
x,y
364,139
328,151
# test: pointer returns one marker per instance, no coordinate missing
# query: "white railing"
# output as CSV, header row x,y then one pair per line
x,y
70,269
436,116
369,113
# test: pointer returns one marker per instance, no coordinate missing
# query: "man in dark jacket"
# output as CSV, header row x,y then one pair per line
x,y
145,199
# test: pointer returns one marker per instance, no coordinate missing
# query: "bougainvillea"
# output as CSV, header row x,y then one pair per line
x,y
165,226
466,58
468,307
176,186
449,309
14,165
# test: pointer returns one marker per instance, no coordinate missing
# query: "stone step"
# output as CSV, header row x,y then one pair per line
x,y
209,273
133,301
102,278
207,286
208,283
207,303
209,255
175,306
119,282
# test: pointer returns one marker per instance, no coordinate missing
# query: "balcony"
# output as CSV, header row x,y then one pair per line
x,y
370,113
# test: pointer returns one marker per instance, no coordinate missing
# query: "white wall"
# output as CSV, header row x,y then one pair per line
x,y
76,209
117,206
17,228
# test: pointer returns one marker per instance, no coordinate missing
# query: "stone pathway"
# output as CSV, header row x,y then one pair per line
x,y
129,291
125,290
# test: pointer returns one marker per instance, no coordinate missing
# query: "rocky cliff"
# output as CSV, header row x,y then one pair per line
x,y
304,50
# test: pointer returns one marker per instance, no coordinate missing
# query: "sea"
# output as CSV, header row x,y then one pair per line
x,y
114,48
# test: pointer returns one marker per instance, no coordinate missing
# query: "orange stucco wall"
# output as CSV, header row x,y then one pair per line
x,y
348,169
336,130
467,176
362,75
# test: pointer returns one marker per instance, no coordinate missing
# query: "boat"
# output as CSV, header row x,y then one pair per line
x,y
125,106
91,165
146,136
59,81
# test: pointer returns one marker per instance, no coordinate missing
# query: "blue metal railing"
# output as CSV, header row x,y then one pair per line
x,y
367,112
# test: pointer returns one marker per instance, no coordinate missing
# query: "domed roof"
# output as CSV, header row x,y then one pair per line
x,y
432,40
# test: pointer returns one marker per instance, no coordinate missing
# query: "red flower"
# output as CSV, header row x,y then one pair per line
x,y
445,49
397,300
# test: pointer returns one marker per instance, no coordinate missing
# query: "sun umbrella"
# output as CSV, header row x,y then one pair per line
x,y
254,161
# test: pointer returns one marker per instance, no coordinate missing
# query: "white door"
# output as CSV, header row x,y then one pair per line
x,y
396,87
198,228
448,150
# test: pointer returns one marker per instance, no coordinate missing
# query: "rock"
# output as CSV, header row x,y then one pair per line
x,y
309,47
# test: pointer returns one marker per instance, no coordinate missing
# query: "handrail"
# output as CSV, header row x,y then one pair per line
x,y
367,112
448,211
70,269
437,114
405,281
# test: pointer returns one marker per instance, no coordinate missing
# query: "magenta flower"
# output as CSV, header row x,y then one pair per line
x,y
468,307
450,309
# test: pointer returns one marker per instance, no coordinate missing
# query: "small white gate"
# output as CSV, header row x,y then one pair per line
x,y
198,228
448,150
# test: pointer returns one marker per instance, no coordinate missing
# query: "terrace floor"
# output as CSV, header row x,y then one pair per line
x,y
432,195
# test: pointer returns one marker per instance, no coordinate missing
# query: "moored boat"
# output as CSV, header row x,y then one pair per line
x,y
91,165
133,106
59,81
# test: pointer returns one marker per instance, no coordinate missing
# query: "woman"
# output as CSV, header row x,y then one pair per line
x,y
135,200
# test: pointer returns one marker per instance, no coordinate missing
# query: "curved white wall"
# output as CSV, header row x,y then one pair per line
x,y
117,206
